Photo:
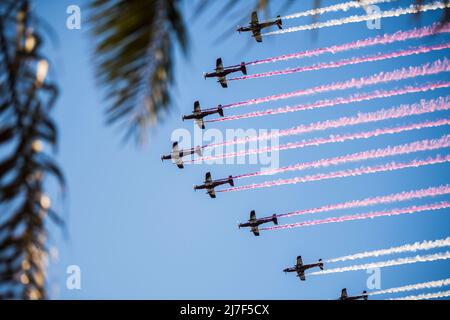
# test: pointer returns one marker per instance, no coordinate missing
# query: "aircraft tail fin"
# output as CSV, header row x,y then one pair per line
x,y
274,219
220,110
230,181
243,68
279,23
320,264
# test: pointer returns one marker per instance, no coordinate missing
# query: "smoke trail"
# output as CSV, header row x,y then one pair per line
x,y
425,296
417,146
436,67
329,139
417,286
368,42
388,263
347,62
334,8
343,173
377,94
364,216
367,17
424,106
424,245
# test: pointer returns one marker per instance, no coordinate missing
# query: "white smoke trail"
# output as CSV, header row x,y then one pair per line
x,y
329,139
426,69
439,104
424,245
426,296
388,263
346,62
335,8
368,42
411,287
417,146
386,167
363,216
413,9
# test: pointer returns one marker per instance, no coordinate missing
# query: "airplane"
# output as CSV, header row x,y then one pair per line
x,y
176,155
198,114
222,72
344,295
254,223
255,27
300,268
210,184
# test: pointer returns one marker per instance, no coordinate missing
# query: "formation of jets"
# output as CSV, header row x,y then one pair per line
x,y
210,184
300,268
255,26
198,115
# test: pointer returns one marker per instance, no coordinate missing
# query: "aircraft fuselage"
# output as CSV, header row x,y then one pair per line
x,y
222,73
200,115
257,27
303,267
211,185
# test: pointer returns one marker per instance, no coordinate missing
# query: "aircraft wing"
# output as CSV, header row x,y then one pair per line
x,y
200,123
223,82
179,163
254,18
301,275
219,65
212,193
208,177
257,35
255,230
252,216
299,261
175,148
197,106
344,294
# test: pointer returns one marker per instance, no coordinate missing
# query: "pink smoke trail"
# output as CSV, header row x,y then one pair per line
x,y
377,94
395,197
346,62
329,139
424,106
417,146
368,42
412,9
370,215
436,67
392,166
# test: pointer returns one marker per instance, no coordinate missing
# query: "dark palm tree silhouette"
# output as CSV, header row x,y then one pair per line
x,y
135,40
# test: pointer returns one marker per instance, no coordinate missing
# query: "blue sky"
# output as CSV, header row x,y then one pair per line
x,y
138,230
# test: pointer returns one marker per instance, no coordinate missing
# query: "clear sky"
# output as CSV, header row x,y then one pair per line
x,y
137,229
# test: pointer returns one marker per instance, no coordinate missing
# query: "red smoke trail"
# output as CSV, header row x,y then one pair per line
x,y
346,62
396,197
442,103
378,40
417,146
329,139
344,173
436,67
370,215
377,94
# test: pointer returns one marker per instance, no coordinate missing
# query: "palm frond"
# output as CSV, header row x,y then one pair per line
x,y
26,99
135,40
